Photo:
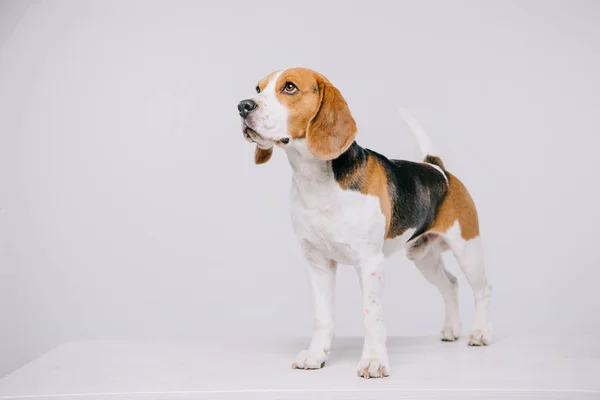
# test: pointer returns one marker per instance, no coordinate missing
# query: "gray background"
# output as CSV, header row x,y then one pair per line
x,y
130,207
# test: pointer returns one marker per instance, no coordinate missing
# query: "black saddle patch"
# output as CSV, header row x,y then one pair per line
x,y
416,190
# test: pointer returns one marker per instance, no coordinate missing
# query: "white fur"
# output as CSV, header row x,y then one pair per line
x,y
428,260
338,226
422,138
391,246
469,254
344,224
321,274
417,130
269,119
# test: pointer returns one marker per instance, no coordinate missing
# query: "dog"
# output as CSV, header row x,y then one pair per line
x,y
351,205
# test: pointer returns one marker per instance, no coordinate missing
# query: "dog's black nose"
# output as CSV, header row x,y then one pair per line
x,y
245,107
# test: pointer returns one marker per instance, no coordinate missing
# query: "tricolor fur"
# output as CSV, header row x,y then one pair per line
x,y
354,206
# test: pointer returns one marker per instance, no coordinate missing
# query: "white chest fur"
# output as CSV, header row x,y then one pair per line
x,y
343,225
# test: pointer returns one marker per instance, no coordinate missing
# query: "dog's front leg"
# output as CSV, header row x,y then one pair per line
x,y
374,361
321,274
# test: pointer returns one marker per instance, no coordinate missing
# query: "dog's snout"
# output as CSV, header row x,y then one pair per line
x,y
245,107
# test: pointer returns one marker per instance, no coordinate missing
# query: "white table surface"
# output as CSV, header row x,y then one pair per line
x,y
422,367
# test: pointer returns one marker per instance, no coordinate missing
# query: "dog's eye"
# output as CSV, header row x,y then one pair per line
x,y
257,89
290,88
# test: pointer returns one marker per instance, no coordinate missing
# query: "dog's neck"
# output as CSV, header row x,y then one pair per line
x,y
309,170
305,166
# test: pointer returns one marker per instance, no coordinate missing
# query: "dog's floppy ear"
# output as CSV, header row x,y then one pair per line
x,y
261,156
332,129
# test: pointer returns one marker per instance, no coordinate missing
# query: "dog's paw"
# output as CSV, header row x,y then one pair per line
x,y
450,333
373,367
307,360
480,337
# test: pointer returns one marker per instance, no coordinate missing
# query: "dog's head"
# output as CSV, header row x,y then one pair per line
x,y
293,105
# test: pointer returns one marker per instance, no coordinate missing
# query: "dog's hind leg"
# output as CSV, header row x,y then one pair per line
x,y
457,223
469,254
426,253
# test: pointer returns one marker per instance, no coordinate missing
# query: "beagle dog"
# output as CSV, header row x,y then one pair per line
x,y
351,205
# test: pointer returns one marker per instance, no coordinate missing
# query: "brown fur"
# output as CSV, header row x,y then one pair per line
x,y
355,179
376,184
304,104
434,160
318,112
457,206
261,156
263,84
371,179
332,129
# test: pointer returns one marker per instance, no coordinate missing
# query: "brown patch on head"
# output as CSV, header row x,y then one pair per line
x,y
370,178
261,156
457,206
263,83
316,111
304,103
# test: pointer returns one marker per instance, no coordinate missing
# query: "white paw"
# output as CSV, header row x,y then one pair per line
x,y
480,337
450,333
373,367
306,360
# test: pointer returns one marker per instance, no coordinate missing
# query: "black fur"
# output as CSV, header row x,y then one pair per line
x,y
416,189
352,162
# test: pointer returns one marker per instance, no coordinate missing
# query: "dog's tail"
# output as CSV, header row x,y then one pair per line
x,y
422,138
